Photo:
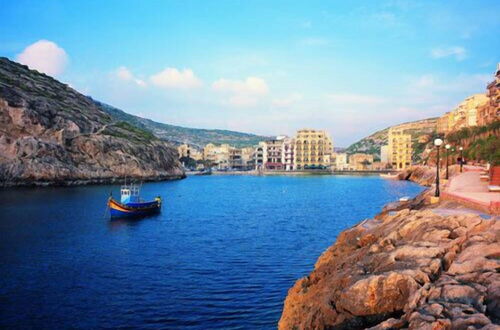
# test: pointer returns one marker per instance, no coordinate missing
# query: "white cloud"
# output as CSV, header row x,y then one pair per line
x,y
242,93
125,74
174,78
354,99
458,52
287,101
44,56
250,86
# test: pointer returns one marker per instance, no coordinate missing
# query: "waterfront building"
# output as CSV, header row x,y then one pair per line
x,y
443,124
400,150
313,148
260,155
360,162
288,153
339,161
247,158
384,154
217,156
490,111
465,114
187,151
274,154
471,104
235,159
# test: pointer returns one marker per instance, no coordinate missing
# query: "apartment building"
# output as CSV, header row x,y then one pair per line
x,y
186,151
400,150
465,114
288,154
339,161
236,159
275,154
247,158
260,155
490,111
360,162
313,149
217,156
443,123
384,154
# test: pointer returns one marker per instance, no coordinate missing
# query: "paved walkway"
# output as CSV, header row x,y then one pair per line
x,y
467,188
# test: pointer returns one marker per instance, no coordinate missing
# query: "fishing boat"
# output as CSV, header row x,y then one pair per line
x,y
131,205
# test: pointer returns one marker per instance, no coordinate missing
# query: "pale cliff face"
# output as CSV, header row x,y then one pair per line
x,y
51,134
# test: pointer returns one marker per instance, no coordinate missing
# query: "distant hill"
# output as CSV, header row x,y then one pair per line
x,y
421,132
178,135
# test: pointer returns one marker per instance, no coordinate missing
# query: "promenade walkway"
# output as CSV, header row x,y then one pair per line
x,y
467,188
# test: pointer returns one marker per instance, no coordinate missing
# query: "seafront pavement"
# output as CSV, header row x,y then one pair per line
x,y
467,188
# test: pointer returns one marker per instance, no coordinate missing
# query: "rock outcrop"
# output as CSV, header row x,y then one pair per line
x,y
426,175
51,134
409,269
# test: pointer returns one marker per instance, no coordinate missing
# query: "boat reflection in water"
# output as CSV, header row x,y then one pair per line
x,y
131,205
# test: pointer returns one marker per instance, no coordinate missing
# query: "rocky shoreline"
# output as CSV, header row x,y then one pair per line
x,y
95,181
414,265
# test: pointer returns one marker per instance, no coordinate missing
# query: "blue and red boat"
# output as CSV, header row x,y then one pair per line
x,y
131,205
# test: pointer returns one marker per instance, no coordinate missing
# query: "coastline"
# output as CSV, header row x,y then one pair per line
x,y
414,265
91,181
294,173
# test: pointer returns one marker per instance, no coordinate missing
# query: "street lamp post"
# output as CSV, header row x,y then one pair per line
x,y
437,143
447,149
461,158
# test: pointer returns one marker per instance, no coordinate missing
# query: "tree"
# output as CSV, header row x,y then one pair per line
x,y
188,162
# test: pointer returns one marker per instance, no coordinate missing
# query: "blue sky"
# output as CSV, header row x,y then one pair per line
x,y
266,67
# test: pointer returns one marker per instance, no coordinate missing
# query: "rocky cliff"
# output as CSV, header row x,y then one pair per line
x,y
413,269
51,134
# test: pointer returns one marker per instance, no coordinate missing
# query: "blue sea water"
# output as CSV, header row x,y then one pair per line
x,y
222,254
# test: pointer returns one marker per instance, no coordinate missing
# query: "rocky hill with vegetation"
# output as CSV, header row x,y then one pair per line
x,y
422,131
51,134
196,137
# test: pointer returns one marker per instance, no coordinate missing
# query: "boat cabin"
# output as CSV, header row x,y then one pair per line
x,y
129,194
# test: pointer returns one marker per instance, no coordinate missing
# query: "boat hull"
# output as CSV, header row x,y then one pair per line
x,y
119,210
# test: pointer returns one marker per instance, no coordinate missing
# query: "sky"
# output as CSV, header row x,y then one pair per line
x,y
263,67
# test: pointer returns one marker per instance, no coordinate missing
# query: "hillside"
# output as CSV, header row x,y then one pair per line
x,y
51,134
177,135
421,131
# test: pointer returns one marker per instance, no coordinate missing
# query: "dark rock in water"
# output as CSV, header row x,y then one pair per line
x,y
51,134
407,269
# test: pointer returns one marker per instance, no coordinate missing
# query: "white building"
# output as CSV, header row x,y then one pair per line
x,y
384,154
340,161
288,153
